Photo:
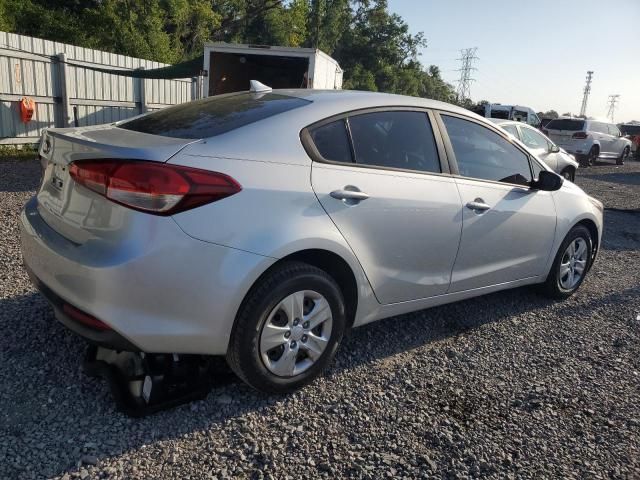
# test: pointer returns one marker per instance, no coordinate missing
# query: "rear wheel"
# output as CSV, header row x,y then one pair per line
x,y
592,156
570,265
621,158
288,328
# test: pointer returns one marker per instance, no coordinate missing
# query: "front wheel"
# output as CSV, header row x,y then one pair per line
x,y
569,174
570,265
288,328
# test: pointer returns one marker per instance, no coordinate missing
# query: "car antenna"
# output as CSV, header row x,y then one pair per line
x,y
256,87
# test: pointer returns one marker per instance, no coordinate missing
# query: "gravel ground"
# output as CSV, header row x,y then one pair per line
x,y
503,386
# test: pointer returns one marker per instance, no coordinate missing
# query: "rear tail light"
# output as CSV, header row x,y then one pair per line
x,y
152,187
580,135
84,318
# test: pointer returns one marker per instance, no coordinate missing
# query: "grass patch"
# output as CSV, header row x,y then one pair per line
x,y
22,152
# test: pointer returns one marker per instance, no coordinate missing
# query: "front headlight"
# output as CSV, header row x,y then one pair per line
x,y
597,203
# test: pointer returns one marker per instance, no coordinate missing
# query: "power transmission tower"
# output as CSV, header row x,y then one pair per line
x,y
613,99
587,91
468,56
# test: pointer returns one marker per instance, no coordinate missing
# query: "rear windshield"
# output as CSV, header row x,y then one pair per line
x,y
630,129
565,124
213,116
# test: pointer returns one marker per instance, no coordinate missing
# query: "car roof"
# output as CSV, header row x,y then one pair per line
x,y
349,100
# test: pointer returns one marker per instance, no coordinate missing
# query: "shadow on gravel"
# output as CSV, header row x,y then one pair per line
x,y
19,175
621,230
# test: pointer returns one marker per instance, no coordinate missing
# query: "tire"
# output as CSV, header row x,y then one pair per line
x,y
592,156
621,158
556,284
263,311
569,174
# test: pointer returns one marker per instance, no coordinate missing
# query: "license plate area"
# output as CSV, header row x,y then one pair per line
x,y
58,176
54,188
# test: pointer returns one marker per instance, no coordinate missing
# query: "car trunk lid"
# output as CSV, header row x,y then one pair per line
x,y
72,210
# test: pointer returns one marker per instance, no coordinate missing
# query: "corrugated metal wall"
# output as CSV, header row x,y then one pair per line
x,y
27,69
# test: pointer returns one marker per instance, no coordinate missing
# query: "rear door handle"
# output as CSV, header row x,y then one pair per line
x,y
478,205
349,193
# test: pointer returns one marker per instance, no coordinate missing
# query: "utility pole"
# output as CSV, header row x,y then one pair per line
x,y
613,99
468,56
587,91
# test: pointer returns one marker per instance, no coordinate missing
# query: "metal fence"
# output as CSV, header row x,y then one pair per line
x,y
68,95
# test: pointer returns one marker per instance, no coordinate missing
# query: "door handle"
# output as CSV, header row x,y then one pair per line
x,y
349,193
478,205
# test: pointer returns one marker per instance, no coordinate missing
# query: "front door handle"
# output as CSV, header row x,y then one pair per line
x,y
349,194
478,205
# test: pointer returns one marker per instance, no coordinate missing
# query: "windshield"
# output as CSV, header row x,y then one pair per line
x,y
565,124
213,115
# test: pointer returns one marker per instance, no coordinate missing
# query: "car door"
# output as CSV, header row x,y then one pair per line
x,y
604,138
617,141
379,177
508,228
539,145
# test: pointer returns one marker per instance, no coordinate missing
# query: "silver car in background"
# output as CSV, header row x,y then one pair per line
x,y
262,226
554,157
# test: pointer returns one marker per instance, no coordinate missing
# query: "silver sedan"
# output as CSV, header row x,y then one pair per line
x,y
262,226
559,160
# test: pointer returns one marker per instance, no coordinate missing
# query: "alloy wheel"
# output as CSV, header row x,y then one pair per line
x,y
573,264
296,333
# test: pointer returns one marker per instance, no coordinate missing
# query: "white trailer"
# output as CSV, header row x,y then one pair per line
x,y
229,68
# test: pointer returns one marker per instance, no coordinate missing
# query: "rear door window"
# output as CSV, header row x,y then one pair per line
x,y
613,130
395,139
599,127
332,141
213,116
483,154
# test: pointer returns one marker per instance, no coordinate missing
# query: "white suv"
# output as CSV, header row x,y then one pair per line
x,y
589,139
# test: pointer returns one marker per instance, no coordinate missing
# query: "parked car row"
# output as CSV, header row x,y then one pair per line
x,y
632,132
559,160
589,139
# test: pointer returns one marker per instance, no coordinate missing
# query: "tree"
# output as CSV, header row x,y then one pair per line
x,y
548,114
372,45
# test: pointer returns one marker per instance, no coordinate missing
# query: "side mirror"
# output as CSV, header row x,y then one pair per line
x,y
547,181
554,149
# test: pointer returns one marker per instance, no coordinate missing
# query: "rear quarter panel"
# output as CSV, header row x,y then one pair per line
x,y
275,215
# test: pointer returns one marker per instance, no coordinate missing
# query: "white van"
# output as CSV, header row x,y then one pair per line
x,y
510,112
230,67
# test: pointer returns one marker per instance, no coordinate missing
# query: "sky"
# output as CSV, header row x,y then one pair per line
x,y
536,53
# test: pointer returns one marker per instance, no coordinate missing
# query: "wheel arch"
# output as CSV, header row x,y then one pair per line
x,y
330,262
593,230
338,269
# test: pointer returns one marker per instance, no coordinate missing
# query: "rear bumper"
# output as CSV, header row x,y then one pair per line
x,y
159,290
107,338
